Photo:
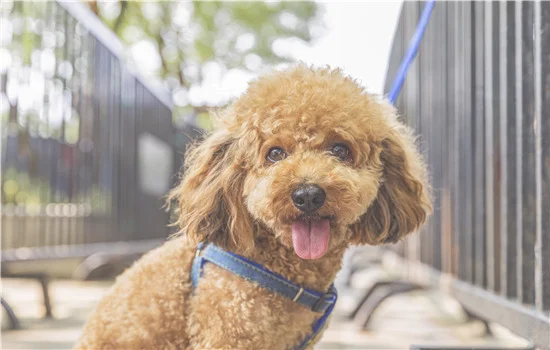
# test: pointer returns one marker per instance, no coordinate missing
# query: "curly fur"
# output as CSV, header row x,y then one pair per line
x,y
230,195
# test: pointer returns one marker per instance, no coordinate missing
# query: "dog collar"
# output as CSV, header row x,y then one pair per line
x,y
315,301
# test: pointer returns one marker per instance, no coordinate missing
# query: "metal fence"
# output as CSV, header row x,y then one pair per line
x,y
478,94
88,148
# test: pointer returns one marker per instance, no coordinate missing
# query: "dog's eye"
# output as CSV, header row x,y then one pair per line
x,y
276,154
341,151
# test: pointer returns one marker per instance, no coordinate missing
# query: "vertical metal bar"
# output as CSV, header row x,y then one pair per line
x,y
519,142
545,148
503,146
538,154
448,252
458,210
529,163
92,163
81,67
479,148
468,78
124,173
140,115
419,122
110,130
438,147
100,91
130,141
429,127
489,152
424,86
511,156
497,160
453,20
116,163
411,101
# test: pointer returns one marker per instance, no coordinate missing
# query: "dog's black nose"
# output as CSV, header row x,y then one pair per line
x,y
309,198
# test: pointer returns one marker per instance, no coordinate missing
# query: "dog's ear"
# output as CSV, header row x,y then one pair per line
x,y
403,200
209,196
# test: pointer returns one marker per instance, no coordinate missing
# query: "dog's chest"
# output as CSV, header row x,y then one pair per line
x,y
227,311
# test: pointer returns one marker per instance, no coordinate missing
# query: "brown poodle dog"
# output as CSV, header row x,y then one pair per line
x,y
300,167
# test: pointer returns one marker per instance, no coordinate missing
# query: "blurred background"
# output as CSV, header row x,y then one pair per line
x,y
98,101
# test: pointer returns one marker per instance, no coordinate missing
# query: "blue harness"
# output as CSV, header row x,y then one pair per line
x,y
322,303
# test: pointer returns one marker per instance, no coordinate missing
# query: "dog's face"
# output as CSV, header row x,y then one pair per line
x,y
317,168
312,180
311,157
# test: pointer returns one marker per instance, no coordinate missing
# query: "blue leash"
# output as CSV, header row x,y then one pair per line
x,y
399,79
322,303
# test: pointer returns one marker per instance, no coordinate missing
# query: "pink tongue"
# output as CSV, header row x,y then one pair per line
x,y
310,238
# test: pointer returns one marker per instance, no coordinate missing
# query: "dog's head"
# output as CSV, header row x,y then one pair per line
x,y
311,157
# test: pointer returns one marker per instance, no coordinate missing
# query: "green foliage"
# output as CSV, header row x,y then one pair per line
x,y
188,35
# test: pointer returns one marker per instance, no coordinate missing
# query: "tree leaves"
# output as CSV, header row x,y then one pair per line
x,y
189,35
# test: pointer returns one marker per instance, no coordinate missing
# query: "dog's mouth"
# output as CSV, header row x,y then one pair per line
x,y
310,235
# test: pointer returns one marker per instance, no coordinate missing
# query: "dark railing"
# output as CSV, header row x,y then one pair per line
x,y
88,148
478,94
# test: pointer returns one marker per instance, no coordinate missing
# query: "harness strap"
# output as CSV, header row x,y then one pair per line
x,y
256,273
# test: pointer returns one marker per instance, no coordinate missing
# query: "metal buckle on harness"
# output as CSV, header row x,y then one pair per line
x,y
324,302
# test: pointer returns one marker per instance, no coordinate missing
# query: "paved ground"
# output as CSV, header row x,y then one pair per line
x,y
424,317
